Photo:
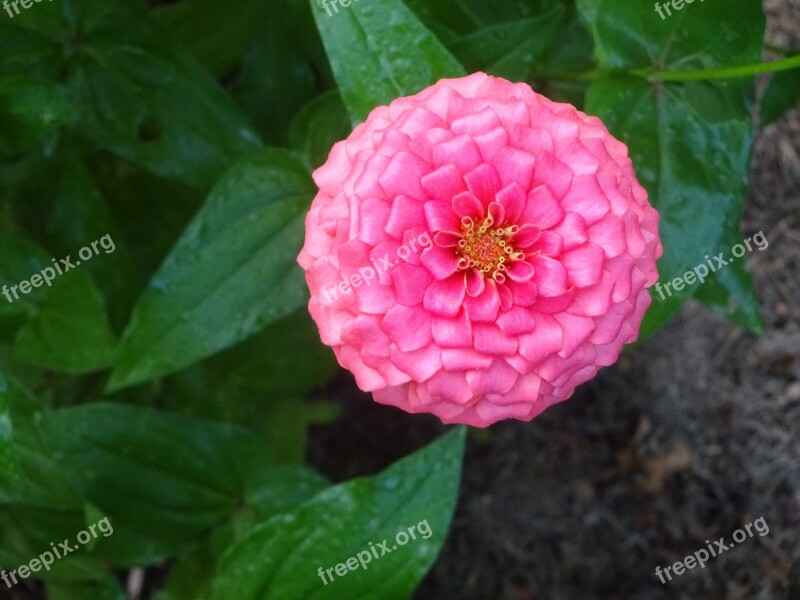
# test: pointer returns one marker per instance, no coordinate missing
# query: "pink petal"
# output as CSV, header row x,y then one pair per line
x,y
445,296
576,331
485,306
525,293
519,270
467,204
549,244
440,262
543,209
514,166
443,183
368,185
373,216
551,276
516,321
402,175
536,141
545,340
512,199
594,300
572,230
447,239
586,198
499,379
484,182
452,333
526,236
584,265
440,216
410,283
475,123
555,304
498,213
491,340
461,151
418,364
475,283
450,388
460,359
491,142
408,328
553,173
406,213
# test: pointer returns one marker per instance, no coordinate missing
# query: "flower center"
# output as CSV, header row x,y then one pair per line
x,y
487,248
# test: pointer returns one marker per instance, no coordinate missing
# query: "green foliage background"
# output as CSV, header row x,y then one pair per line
x,y
167,385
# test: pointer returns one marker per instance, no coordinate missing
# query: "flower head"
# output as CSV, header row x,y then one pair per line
x,y
476,251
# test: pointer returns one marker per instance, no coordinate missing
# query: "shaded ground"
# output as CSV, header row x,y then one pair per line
x,y
687,439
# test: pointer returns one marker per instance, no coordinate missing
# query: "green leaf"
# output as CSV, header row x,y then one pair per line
x,y
268,377
628,37
689,141
9,466
232,272
511,50
216,31
783,94
318,126
146,98
70,330
280,558
170,479
283,69
105,588
62,325
21,258
80,212
378,51
33,104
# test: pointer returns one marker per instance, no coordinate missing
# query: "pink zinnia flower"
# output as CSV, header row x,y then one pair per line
x,y
542,245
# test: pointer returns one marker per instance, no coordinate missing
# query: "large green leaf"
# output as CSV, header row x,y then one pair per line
x,y
21,259
33,103
232,272
690,141
379,51
280,559
70,330
61,322
318,126
141,94
216,31
166,478
511,50
283,69
79,213
267,378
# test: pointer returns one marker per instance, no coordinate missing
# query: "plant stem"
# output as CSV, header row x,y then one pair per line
x,y
784,64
